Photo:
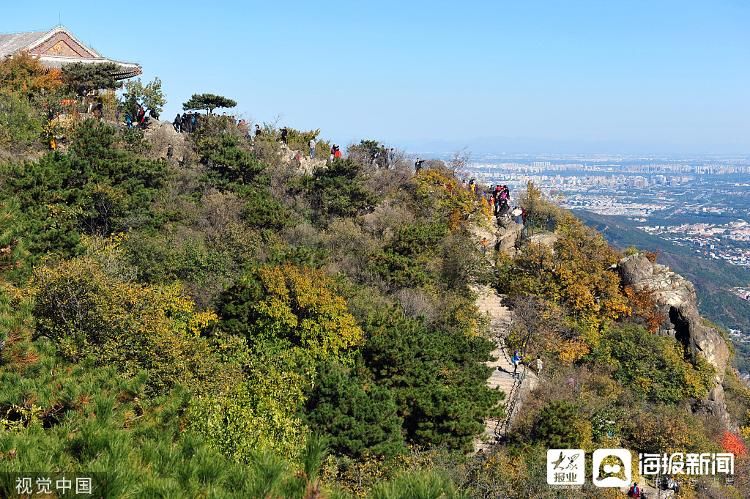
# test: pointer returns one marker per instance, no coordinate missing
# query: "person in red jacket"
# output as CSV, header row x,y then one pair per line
x,y
635,491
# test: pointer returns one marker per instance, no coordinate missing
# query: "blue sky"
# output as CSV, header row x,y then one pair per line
x,y
544,76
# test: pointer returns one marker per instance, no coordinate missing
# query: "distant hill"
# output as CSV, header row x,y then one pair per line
x,y
713,279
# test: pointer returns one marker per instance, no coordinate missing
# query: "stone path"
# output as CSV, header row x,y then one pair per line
x,y
490,303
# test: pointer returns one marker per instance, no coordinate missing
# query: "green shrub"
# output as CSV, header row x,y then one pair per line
x,y
226,157
339,191
653,366
438,379
358,417
424,485
263,211
89,314
150,96
299,140
21,125
558,426
96,188
253,416
294,307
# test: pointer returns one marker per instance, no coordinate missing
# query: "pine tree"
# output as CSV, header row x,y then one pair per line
x,y
359,418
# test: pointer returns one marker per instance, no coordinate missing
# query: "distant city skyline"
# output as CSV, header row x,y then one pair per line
x,y
536,76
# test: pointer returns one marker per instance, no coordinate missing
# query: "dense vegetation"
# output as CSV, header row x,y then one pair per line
x,y
713,279
226,326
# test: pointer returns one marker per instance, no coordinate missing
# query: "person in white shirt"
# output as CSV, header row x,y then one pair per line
x,y
312,144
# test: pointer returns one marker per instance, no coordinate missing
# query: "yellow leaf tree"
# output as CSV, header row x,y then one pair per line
x,y
292,305
88,313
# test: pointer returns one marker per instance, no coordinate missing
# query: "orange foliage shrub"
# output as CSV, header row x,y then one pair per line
x,y
24,74
733,443
573,350
651,256
643,306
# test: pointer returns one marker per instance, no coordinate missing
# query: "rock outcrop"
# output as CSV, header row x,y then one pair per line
x,y
301,161
502,237
677,301
507,236
547,239
160,135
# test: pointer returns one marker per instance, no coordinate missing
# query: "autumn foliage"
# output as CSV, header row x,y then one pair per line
x,y
294,305
88,313
645,308
23,74
576,272
731,442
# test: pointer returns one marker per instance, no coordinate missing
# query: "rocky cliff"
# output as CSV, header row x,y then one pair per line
x,y
502,235
676,300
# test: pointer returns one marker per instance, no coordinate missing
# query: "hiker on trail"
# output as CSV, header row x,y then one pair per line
x,y
672,484
473,186
337,152
177,123
333,152
504,193
516,360
391,157
634,491
418,164
128,120
517,215
484,242
538,365
193,122
257,130
140,115
502,197
99,110
284,133
242,126
312,145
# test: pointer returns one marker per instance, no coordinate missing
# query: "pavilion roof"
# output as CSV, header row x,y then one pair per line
x,y
58,47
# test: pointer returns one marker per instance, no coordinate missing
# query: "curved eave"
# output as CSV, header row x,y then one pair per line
x,y
127,69
129,72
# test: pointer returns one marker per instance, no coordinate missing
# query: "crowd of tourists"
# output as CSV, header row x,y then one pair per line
x,y
186,122
140,119
500,202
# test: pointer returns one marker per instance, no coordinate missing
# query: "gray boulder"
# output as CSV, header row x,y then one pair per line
x,y
675,299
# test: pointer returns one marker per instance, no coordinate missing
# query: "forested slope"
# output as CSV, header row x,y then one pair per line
x,y
222,323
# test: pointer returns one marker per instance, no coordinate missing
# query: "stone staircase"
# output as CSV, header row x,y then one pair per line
x,y
490,303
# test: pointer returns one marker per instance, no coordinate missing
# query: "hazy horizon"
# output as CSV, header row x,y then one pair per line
x,y
540,147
